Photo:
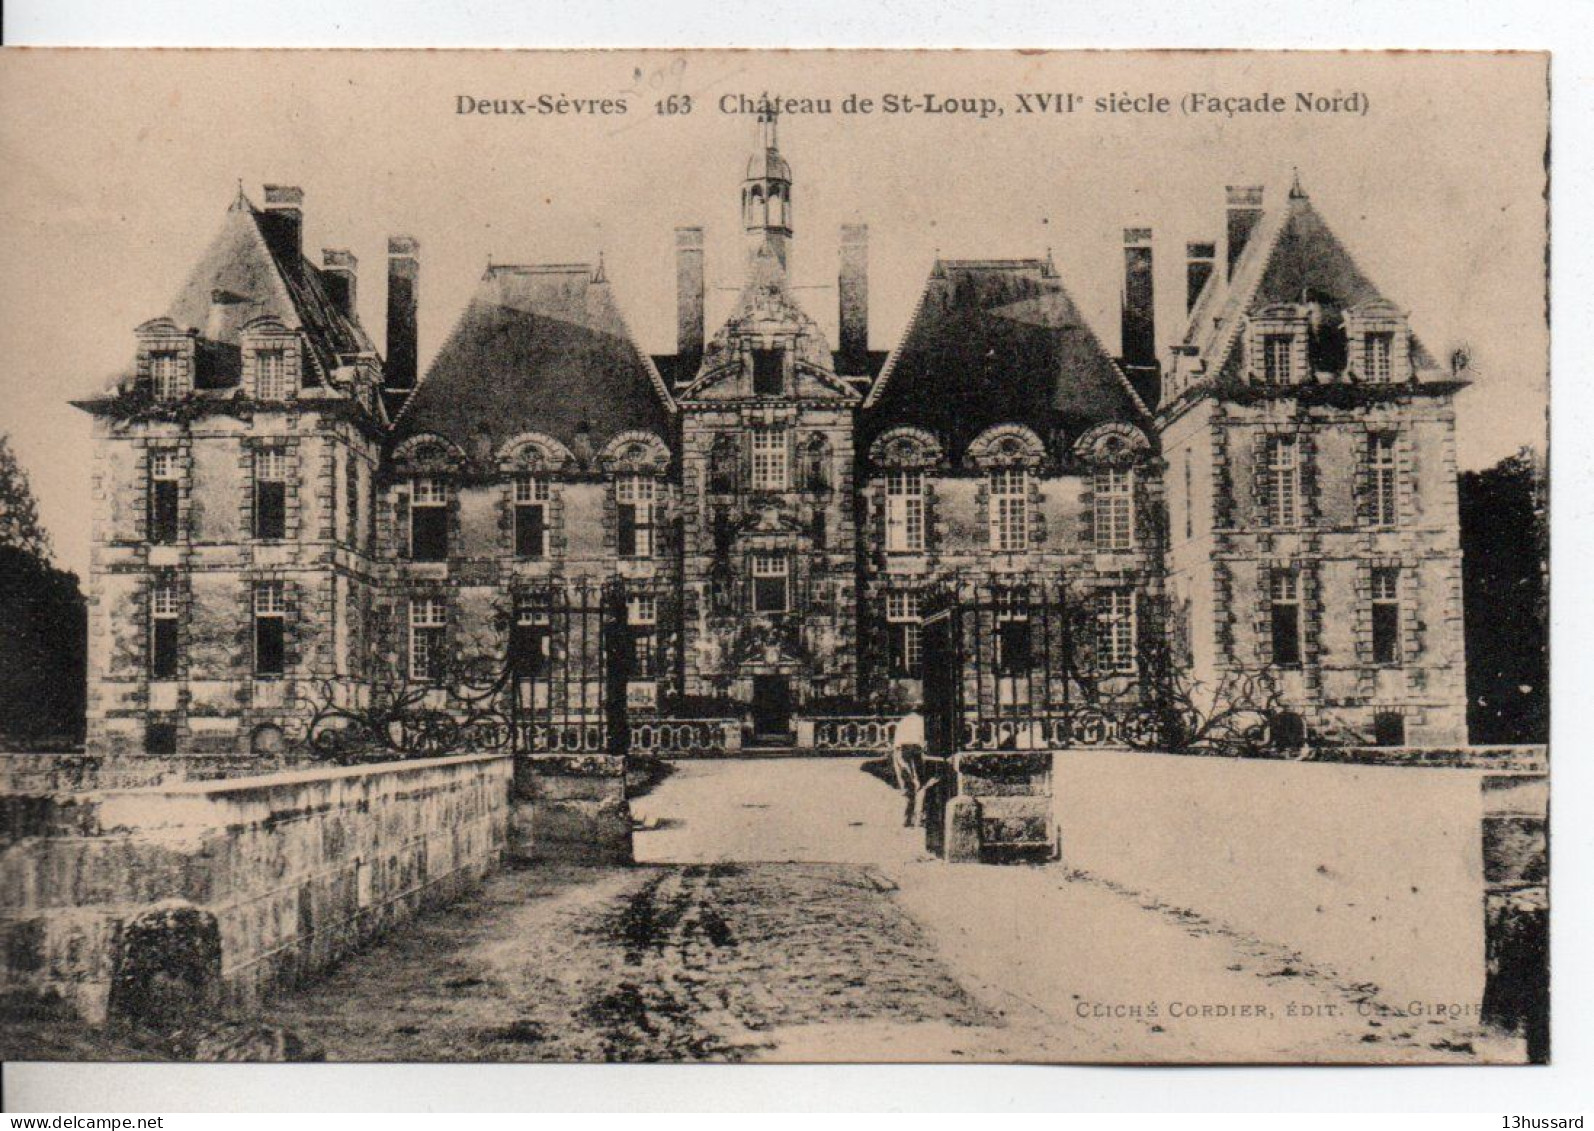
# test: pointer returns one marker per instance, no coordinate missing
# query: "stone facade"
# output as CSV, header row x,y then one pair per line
x,y
283,520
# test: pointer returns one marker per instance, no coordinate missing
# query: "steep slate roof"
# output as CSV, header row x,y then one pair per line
x,y
1291,257
248,271
541,348
992,342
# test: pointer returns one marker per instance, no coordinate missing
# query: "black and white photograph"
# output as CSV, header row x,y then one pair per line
x,y
774,557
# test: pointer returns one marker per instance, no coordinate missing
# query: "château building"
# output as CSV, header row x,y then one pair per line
x,y
755,526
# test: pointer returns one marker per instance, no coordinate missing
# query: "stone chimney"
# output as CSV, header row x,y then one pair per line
x,y
403,297
1245,210
1199,261
689,297
283,220
339,274
853,292
1139,321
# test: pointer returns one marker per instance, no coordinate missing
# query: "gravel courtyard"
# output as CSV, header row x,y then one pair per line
x,y
736,940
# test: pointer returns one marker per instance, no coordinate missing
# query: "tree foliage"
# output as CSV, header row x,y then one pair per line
x,y
19,511
1505,587
43,626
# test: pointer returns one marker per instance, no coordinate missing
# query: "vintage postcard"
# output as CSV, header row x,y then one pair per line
x,y
758,556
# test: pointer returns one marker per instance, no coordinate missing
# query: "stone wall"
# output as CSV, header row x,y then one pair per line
x,y
1375,871
287,872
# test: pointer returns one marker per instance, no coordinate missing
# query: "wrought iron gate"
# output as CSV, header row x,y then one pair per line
x,y
568,662
1023,663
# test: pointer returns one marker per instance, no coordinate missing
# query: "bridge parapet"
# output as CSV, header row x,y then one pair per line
x,y
291,871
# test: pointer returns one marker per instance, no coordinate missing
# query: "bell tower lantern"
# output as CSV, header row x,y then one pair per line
x,y
766,195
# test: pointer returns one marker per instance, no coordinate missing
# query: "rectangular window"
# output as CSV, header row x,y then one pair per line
x,y
904,512
1115,630
163,629
1283,482
1278,357
1009,510
771,583
1012,633
1284,594
271,611
1378,351
164,472
634,498
1115,508
769,378
428,637
165,371
271,375
529,644
271,493
428,519
1381,480
642,617
1386,616
769,459
531,517
905,630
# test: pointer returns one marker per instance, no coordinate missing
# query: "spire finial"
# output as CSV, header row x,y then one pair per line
x,y
768,113
1296,191
240,202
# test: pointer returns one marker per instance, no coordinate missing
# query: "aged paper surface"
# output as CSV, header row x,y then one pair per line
x,y
775,556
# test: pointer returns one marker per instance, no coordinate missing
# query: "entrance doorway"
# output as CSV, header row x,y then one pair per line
x,y
771,709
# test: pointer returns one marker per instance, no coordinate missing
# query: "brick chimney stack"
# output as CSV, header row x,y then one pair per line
x,y
1245,210
689,299
1139,320
340,275
1138,325
403,298
853,293
283,220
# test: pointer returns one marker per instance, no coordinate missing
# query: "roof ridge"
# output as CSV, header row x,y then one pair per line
x,y
995,264
536,269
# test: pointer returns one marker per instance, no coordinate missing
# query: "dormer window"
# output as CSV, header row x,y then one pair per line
x,y
428,519
1009,510
271,375
166,375
1378,353
634,511
1115,508
531,517
1278,352
769,372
